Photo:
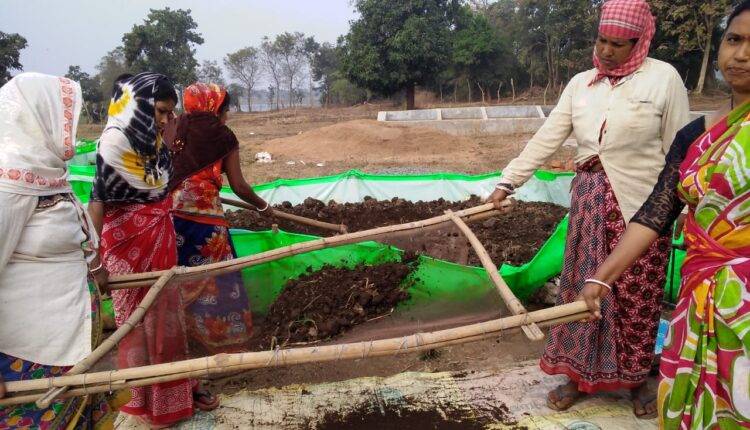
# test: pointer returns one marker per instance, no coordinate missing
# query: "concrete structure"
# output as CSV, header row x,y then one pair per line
x,y
473,121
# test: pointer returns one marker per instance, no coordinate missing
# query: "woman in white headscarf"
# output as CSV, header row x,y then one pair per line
x,y
49,318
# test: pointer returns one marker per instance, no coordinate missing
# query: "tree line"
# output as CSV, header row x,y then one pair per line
x,y
461,50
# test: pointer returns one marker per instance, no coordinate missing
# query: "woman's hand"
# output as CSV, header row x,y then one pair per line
x,y
2,388
592,294
100,275
497,197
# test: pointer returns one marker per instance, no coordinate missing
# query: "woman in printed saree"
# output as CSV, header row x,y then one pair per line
x,y
131,206
624,113
47,252
705,366
203,149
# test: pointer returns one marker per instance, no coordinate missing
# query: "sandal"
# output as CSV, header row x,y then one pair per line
x,y
565,397
205,401
642,399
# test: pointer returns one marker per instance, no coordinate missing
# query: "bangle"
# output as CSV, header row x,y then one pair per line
x,y
265,208
97,269
508,188
597,282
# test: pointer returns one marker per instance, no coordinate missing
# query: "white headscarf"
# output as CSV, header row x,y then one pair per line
x,y
38,121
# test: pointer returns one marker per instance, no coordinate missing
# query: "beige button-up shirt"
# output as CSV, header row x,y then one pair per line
x,y
637,120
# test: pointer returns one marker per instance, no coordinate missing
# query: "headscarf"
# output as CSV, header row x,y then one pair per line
x,y
201,97
626,19
132,164
197,139
38,121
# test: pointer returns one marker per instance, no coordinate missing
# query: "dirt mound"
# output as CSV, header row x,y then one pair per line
x,y
381,142
323,304
513,237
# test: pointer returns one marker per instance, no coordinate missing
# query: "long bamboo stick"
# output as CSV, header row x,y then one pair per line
x,y
340,228
110,342
145,279
304,355
532,331
122,384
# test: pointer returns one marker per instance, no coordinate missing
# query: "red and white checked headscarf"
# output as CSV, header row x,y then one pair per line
x,y
626,19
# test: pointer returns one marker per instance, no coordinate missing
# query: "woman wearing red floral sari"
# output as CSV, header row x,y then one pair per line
x,y
203,149
130,207
705,366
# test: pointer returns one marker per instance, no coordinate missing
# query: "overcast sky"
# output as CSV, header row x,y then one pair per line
x,y
79,32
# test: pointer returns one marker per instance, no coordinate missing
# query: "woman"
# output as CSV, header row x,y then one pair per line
x,y
45,235
706,359
624,114
203,148
130,206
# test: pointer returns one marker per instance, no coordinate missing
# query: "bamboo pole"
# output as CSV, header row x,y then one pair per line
x,y
340,228
145,279
110,342
253,360
142,382
532,331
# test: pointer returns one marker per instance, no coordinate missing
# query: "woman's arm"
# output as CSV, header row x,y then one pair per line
x,y
541,147
634,243
101,275
240,187
676,113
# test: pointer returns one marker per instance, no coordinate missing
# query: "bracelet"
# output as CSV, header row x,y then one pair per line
x,y
265,208
508,188
97,269
597,282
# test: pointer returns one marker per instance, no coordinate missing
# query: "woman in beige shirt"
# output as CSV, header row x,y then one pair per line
x,y
624,114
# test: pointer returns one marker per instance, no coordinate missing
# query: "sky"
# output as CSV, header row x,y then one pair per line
x,y
61,33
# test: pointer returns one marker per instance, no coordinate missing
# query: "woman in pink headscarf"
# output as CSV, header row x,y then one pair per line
x,y
624,113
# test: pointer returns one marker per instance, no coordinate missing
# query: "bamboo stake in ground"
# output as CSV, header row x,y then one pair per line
x,y
340,228
252,360
531,330
146,279
110,342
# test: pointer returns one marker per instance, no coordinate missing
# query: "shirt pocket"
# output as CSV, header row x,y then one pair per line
x,y
642,116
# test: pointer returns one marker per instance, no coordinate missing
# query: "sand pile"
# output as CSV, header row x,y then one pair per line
x,y
376,140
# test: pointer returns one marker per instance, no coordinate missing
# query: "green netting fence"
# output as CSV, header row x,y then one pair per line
x,y
436,280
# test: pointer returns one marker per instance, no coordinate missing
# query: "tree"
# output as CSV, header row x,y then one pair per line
x,y
694,25
235,92
90,89
210,73
245,66
325,69
272,64
479,53
310,49
10,54
164,43
112,65
289,48
395,46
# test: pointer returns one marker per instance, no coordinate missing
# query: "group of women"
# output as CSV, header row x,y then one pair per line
x,y
155,204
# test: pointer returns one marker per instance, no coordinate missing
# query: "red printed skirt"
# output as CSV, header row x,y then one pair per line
x,y
139,238
618,350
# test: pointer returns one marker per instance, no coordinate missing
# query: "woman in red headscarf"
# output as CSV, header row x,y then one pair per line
x,y
625,114
203,149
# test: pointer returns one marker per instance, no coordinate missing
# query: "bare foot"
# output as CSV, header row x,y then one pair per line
x,y
564,396
644,402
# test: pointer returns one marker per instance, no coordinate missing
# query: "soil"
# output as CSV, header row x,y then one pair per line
x,y
513,237
386,416
323,304
348,140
